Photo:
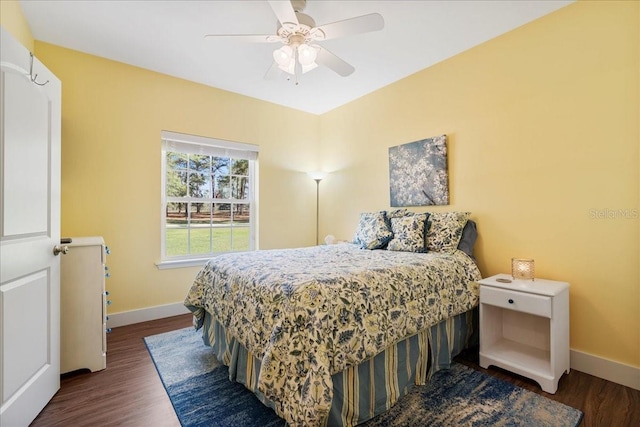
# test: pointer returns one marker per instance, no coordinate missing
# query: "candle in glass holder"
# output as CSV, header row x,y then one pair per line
x,y
522,268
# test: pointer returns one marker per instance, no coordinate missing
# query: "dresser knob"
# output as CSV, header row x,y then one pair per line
x,y
510,301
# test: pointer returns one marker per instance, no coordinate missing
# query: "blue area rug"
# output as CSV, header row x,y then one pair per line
x,y
202,395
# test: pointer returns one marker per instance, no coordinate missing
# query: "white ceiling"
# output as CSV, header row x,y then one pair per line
x,y
167,37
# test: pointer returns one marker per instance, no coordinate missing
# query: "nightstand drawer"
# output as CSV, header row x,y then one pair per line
x,y
514,300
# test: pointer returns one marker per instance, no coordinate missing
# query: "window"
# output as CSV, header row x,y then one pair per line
x,y
208,198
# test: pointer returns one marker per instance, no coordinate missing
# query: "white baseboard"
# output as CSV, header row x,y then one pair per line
x,y
145,314
609,370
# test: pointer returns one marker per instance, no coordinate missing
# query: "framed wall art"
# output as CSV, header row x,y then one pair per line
x,y
418,173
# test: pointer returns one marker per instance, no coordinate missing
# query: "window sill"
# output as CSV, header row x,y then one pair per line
x,y
181,263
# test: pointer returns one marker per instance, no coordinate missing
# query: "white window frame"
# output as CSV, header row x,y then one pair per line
x,y
192,144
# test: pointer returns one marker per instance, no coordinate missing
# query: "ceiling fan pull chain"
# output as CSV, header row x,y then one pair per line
x,y
296,61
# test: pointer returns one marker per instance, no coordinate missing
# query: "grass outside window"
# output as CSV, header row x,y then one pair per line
x,y
177,240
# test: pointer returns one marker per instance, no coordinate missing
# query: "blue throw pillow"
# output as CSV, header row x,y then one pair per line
x,y
468,240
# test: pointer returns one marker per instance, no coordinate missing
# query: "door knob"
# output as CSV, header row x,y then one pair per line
x,y
57,250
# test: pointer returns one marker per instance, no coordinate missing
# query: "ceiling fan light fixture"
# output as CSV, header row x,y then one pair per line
x,y
306,55
309,67
286,56
289,68
298,32
283,56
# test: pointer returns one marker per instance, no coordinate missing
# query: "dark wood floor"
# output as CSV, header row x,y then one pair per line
x,y
129,391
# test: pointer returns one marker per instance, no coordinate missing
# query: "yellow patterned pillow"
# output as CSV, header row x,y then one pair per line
x,y
408,233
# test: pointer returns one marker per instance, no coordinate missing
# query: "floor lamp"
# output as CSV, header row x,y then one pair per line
x,y
317,177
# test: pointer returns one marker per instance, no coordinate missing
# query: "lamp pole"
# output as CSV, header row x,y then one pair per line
x,y
317,177
317,180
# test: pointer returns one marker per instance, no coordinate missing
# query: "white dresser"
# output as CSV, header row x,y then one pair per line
x,y
524,328
83,301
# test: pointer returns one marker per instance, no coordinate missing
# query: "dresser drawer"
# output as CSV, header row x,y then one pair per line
x,y
527,303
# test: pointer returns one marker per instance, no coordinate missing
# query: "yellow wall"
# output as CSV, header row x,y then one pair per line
x,y
12,19
542,125
542,128
112,116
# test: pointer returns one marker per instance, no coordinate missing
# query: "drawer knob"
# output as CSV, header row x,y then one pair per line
x,y
510,301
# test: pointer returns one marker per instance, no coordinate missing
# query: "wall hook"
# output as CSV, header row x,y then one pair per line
x,y
32,76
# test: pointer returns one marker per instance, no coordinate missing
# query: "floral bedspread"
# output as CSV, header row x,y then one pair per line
x,y
309,313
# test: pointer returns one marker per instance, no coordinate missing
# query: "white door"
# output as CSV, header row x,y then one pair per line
x,y
29,230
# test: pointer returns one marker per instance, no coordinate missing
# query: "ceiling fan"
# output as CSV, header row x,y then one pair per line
x,y
298,34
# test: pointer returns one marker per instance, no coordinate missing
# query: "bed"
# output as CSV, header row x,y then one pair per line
x,y
336,334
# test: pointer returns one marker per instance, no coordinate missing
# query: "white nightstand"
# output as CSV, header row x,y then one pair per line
x,y
524,328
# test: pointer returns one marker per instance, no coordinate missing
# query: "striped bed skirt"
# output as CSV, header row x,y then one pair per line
x,y
361,392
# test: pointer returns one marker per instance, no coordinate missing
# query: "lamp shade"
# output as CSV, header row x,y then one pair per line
x,y
317,175
522,268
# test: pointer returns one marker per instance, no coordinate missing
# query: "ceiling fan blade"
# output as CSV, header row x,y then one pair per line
x,y
349,27
334,63
247,38
284,11
273,72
